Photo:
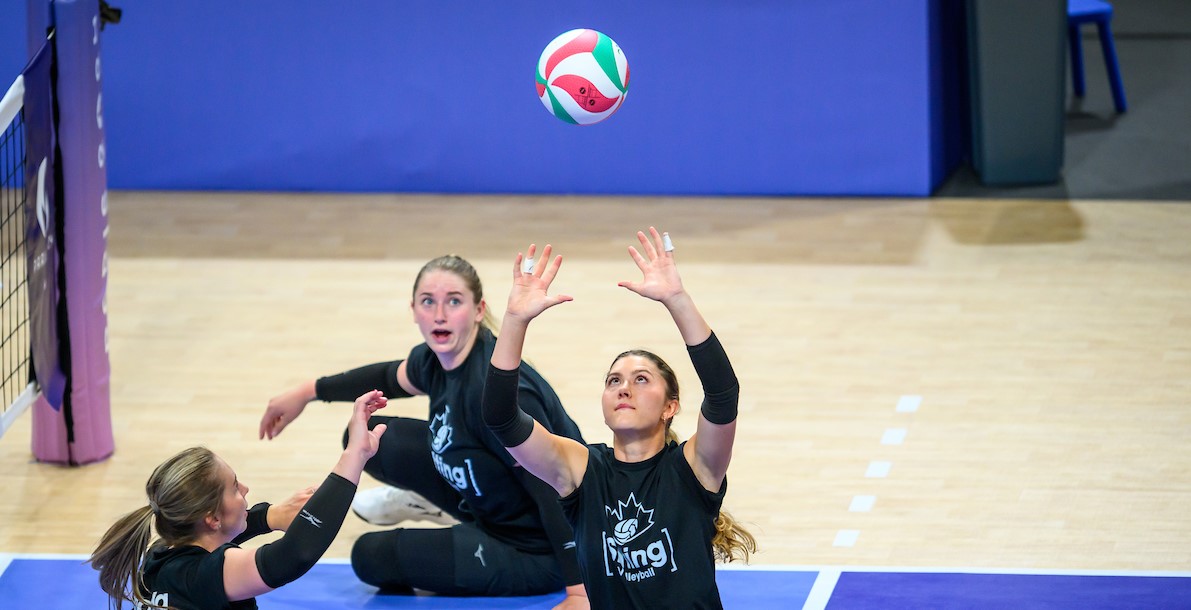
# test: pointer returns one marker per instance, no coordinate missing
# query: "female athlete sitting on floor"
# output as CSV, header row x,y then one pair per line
x,y
200,511
646,511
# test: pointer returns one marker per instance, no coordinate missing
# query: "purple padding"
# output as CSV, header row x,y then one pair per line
x,y
759,589
68,583
50,583
884,591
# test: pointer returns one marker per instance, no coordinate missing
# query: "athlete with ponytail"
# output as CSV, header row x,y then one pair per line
x,y
646,511
199,510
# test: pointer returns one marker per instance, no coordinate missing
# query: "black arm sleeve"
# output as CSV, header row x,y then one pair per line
x,y
508,422
558,530
258,523
721,390
350,385
309,536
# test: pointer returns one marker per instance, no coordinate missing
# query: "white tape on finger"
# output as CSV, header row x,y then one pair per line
x,y
527,265
667,245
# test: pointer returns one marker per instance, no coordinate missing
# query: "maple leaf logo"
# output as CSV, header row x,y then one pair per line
x,y
441,431
632,519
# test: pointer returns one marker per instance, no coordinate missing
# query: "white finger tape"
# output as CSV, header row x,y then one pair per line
x,y
527,265
667,245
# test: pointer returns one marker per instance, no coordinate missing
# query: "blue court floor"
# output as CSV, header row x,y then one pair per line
x,y
65,582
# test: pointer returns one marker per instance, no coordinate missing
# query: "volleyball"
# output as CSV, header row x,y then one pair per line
x,y
583,77
625,530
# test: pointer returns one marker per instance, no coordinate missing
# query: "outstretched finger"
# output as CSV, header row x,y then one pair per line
x,y
551,270
539,270
647,245
376,404
658,243
525,265
642,264
379,430
634,286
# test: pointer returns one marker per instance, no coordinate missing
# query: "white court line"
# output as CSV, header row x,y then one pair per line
x,y
821,591
969,570
862,504
908,403
846,538
893,436
5,559
878,470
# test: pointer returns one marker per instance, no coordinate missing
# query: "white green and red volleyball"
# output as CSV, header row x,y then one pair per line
x,y
583,77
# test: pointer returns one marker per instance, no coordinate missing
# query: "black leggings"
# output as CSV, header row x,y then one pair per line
x,y
459,560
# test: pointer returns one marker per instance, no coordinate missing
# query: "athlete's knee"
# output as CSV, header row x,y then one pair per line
x,y
375,561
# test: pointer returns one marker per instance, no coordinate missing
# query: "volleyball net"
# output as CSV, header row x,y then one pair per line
x,y
17,387
53,239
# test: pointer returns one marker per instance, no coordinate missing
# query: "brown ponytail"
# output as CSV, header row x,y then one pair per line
x,y
118,558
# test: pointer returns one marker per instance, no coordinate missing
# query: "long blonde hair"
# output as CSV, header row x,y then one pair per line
x,y
460,267
182,491
731,541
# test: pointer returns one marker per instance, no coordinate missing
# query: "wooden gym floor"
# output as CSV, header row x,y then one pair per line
x,y
925,382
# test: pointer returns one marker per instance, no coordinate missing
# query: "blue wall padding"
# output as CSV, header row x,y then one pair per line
x,y
758,97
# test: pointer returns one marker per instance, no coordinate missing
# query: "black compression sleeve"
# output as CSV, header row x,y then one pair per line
x,y
350,385
721,390
258,523
504,417
309,536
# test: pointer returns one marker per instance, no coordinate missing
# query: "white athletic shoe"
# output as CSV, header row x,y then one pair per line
x,y
389,506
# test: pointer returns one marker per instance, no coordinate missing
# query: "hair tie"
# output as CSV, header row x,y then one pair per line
x,y
153,507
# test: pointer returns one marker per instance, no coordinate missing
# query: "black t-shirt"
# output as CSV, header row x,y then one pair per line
x,y
189,578
470,457
644,531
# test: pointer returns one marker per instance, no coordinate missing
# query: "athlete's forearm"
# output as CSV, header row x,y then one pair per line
x,y
721,390
349,385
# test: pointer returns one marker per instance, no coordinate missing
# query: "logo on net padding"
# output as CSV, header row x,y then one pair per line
x,y
634,555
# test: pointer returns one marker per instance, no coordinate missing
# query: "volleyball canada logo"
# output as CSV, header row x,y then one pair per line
x,y
640,560
441,433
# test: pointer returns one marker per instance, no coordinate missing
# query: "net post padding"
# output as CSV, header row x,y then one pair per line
x,y
80,431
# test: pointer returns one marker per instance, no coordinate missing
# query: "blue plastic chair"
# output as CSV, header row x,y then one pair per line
x,y
1099,12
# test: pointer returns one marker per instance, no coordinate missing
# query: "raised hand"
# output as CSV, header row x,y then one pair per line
x,y
282,514
359,437
661,280
528,297
284,409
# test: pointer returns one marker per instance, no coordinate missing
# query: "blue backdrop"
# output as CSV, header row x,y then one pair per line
x,y
749,97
